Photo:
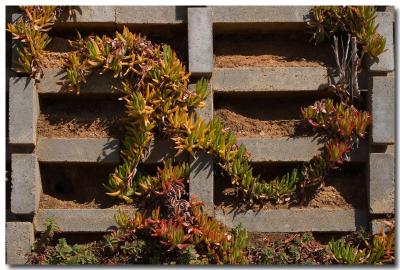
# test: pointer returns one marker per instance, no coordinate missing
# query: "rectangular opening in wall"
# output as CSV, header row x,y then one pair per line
x,y
266,115
77,116
76,186
344,188
251,48
81,186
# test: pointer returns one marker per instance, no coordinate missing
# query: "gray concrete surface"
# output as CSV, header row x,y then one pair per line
x,y
26,185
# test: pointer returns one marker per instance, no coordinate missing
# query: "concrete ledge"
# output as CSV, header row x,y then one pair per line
x,y
162,149
151,14
89,14
78,220
254,14
104,150
83,150
381,183
200,39
282,149
382,103
52,83
297,220
269,79
19,239
385,62
26,184
23,112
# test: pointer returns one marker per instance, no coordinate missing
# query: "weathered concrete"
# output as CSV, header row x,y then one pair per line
x,y
89,14
161,150
208,110
52,83
376,225
105,150
19,239
201,180
297,220
23,111
269,79
381,183
385,61
256,14
79,220
151,14
282,149
200,38
26,184
383,110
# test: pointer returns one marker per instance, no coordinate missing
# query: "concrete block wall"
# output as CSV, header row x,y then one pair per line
x,y
201,24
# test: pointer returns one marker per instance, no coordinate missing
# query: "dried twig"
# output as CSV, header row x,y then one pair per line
x,y
346,83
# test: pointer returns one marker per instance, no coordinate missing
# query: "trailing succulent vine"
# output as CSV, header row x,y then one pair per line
x,y
159,104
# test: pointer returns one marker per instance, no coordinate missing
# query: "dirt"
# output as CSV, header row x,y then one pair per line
x,y
244,126
343,189
84,118
263,116
56,53
270,50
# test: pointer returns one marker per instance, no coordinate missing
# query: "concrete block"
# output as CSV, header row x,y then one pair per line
x,y
52,83
207,111
26,184
200,38
90,14
385,61
376,225
381,183
383,110
104,150
82,150
297,220
151,14
79,220
269,79
19,239
281,149
201,180
24,110
258,14
160,150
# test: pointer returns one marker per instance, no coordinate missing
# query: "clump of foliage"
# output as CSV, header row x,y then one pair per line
x,y
358,21
300,249
376,249
31,32
345,125
170,228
